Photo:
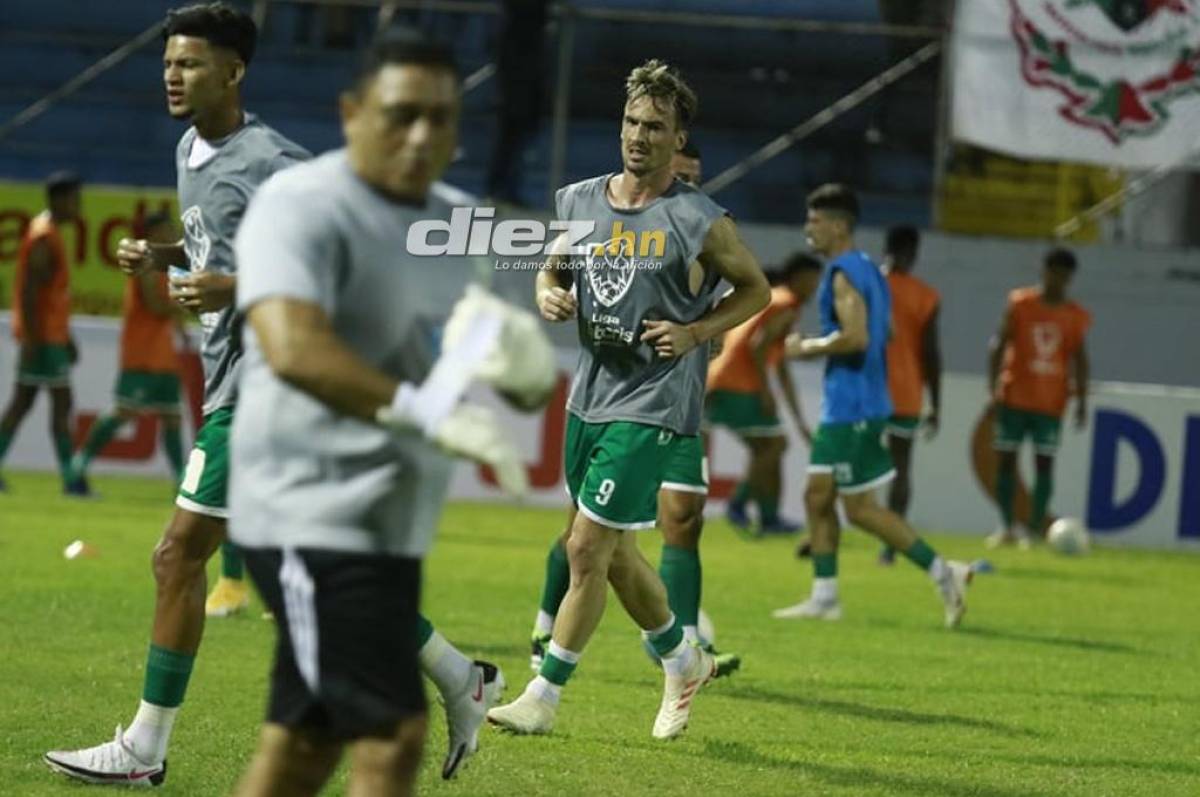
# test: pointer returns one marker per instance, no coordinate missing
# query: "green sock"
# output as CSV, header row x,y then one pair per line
x,y
680,571
424,630
6,439
1043,486
558,578
921,554
663,643
1006,493
63,448
556,669
167,674
231,561
824,565
102,433
768,509
741,494
173,444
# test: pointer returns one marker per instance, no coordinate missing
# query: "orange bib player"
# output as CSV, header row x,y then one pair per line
x,y
41,313
914,362
740,397
148,382
1038,359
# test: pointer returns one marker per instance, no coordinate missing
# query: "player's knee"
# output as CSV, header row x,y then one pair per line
x,y
818,497
396,756
183,552
587,557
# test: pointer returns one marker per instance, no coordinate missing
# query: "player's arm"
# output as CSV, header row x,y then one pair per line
x,y
931,364
204,291
996,351
552,287
792,399
153,298
851,335
1082,371
724,253
137,255
771,331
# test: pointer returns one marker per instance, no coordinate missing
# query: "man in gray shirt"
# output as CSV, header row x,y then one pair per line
x,y
221,160
349,405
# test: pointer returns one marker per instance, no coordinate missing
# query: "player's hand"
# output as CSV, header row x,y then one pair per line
x,y
668,338
204,291
72,351
1080,415
795,346
557,304
135,255
932,424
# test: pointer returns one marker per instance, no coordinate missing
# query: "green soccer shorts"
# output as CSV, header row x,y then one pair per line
x,y
686,470
1012,426
614,469
903,426
206,477
144,391
854,453
50,367
742,413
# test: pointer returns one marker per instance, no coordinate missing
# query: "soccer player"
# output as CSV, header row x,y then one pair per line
x,y
1037,357
221,160
635,404
148,383
346,401
848,456
41,318
914,362
740,395
681,502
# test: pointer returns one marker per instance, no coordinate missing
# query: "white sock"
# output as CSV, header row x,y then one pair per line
x,y
150,731
542,689
679,660
691,634
938,570
824,590
544,623
446,667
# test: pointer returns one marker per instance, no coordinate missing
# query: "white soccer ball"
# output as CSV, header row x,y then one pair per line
x,y
1068,537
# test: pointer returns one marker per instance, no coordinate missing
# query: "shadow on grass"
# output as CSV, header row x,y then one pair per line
x,y
498,650
1130,765
1084,576
1092,645
846,708
850,777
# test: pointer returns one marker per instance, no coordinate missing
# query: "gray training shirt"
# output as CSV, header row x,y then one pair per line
x,y
307,476
637,269
212,198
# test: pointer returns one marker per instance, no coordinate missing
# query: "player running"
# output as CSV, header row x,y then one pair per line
x,y
635,405
41,325
148,383
336,445
914,362
221,160
1038,358
848,456
741,399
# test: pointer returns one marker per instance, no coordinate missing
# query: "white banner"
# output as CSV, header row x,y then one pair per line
x,y
1132,475
1114,83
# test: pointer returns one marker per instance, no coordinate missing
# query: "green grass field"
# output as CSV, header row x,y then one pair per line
x,y
1068,677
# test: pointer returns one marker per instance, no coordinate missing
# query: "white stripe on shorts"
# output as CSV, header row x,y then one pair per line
x,y
299,592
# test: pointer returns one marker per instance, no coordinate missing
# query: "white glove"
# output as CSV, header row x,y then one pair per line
x,y
467,430
521,363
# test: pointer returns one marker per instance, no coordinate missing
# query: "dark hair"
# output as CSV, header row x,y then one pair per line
x,y
902,242
659,80
402,46
690,150
220,24
62,183
835,198
796,263
1061,258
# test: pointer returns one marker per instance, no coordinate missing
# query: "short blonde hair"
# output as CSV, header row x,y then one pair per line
x,y
659,80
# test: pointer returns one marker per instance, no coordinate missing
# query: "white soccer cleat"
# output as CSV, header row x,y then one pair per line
x,y
811,609
108,764
466,713
678,693
527,714
1001,537
954,592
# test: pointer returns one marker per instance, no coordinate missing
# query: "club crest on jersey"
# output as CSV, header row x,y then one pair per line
x,y
611,266
196,242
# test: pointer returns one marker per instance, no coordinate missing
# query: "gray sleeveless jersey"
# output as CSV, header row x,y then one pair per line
x,y
635,269
308,476
212,198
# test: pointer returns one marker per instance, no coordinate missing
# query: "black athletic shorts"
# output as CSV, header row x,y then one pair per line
x,y
346,642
